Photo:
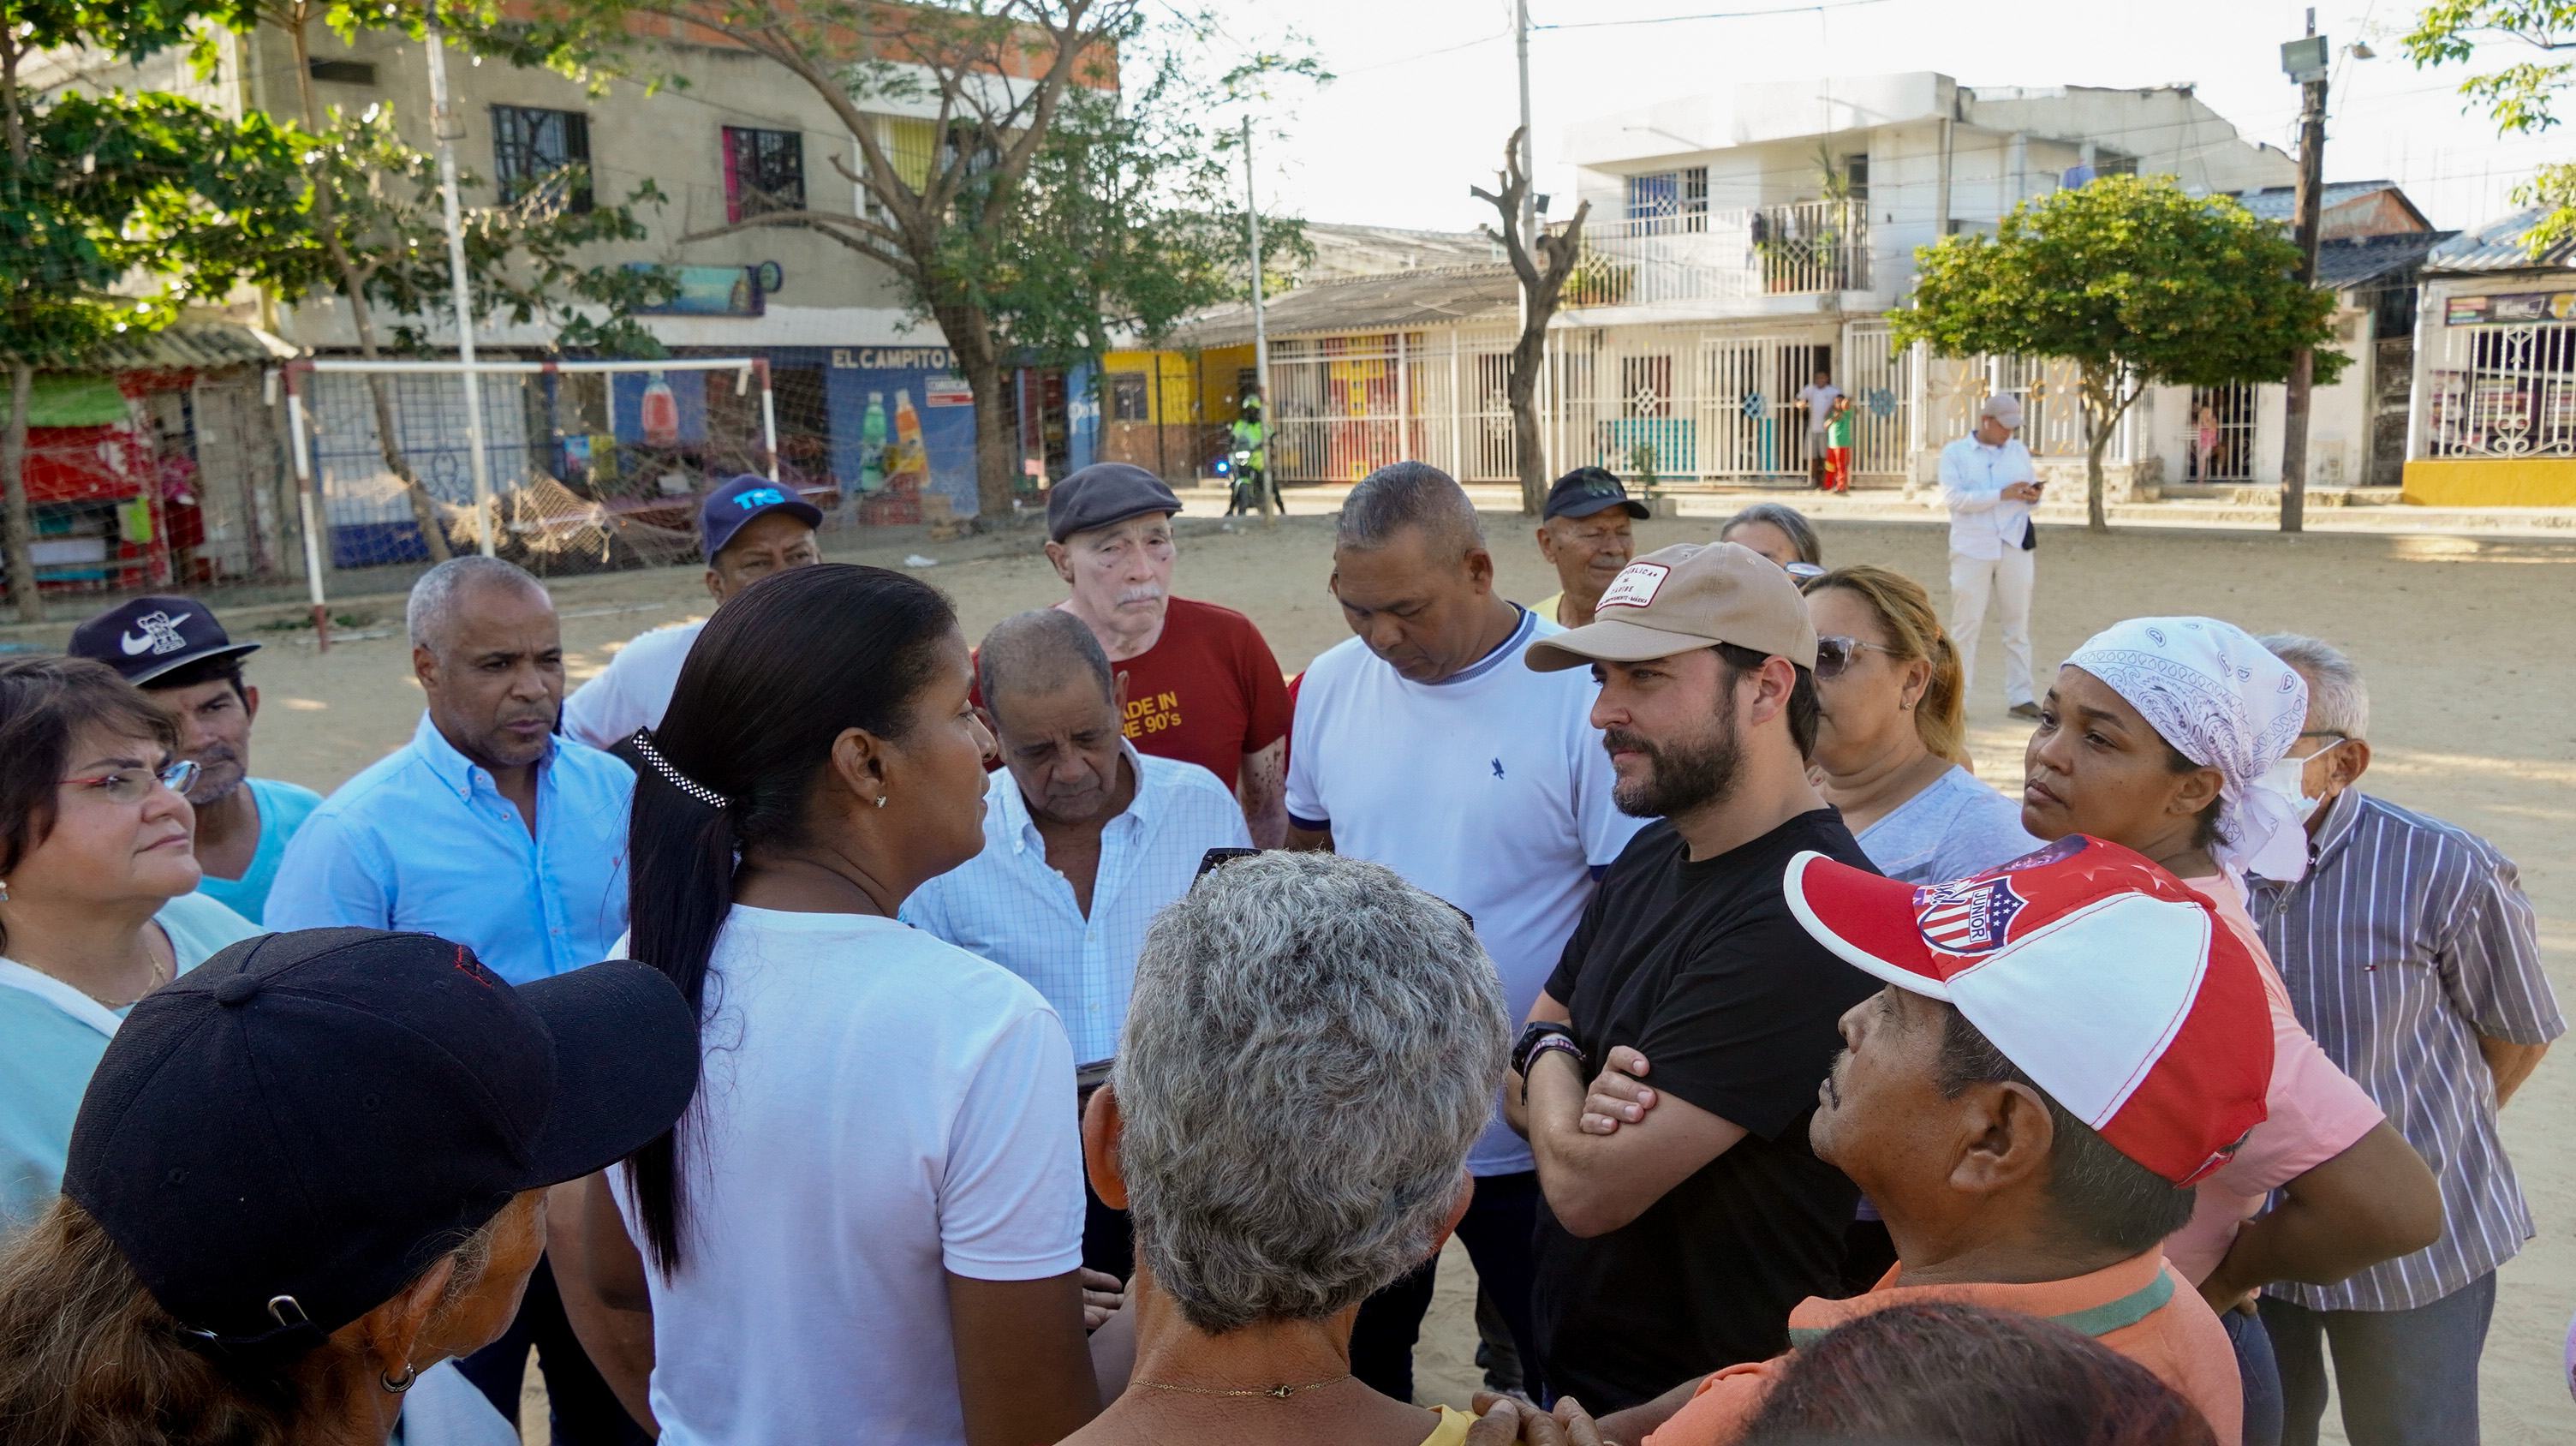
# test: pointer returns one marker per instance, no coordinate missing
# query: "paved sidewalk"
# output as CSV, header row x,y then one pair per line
x,y
1925,507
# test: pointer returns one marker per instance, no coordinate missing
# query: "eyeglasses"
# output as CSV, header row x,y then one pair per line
x,y
1835,655
133,785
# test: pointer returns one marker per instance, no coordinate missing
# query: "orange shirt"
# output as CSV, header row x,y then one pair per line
x,y
2141,1308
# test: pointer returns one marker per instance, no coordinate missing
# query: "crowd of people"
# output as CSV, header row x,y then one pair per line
x,y
823,1025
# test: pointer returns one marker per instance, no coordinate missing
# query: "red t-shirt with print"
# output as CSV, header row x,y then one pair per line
x,y
1207,692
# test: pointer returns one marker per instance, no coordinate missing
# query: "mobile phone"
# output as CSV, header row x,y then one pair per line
x,y
1215,859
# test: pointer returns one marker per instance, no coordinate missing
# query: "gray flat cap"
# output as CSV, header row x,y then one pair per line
x,y
1103,493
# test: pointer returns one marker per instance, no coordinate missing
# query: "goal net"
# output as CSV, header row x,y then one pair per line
x,y
582,465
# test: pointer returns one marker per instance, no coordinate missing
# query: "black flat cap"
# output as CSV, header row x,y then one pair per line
x,y
1103,493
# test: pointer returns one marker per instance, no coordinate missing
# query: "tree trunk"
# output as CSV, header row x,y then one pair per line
x,y
22,387
997,459
1528,450
13,471
2099,415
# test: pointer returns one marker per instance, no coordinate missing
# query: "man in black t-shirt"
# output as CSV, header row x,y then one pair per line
x,y
1675,1239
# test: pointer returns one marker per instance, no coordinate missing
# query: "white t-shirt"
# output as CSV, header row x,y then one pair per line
x,y
1820,404
1489,790
877,1107
633,690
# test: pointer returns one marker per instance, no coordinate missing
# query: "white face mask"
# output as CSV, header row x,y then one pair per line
x,y
2288,778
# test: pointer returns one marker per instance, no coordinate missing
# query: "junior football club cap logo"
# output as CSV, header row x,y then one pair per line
x,y
1966,917
2108,981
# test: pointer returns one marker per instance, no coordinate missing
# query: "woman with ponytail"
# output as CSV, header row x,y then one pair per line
x,y
869,1226
1891,743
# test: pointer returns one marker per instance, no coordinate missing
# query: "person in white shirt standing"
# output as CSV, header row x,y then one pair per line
x,y
1423,745
1989,486
1085,841
747,529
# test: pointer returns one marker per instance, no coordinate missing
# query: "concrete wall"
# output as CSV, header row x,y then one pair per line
x,y
672,138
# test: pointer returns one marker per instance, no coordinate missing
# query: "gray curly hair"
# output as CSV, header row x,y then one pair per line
x,y
1313,1046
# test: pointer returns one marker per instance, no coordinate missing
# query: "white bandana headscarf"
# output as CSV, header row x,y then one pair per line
x,y
2224,702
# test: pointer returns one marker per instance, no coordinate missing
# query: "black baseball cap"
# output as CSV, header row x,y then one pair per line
x,y
1104,493
148,636
1587,490
288,1134
737,502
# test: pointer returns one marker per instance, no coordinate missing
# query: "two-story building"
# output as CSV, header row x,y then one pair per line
x,y
1741,241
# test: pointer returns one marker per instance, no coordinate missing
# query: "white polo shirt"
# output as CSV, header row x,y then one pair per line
x,y
1489,789
634,690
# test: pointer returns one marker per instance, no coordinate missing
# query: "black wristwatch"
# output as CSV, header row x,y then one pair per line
x,y
1541,1036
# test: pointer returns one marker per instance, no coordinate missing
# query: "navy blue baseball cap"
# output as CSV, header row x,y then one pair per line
x,y
1587,490
748,496
286,1136
148,636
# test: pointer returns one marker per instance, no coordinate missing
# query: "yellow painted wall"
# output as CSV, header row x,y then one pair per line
x,y
2493,482
1195,388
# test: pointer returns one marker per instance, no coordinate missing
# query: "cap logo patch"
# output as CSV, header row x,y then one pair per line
x,y
1971,916
759,497
1634,587
160,635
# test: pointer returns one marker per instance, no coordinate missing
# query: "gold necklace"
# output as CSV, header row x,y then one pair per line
x,y
1277,1393
159,978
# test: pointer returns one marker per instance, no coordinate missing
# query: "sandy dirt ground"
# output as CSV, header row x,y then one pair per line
x,y
2466,642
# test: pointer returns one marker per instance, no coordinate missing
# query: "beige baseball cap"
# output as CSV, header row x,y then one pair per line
x,y
1677,599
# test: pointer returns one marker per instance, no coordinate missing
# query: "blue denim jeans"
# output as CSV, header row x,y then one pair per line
x,y
2407,1377
2262,1377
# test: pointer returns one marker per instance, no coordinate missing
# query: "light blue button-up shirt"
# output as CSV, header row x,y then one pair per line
x,y
1007,905
423,840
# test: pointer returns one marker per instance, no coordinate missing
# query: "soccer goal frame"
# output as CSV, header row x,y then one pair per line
x,y
312,505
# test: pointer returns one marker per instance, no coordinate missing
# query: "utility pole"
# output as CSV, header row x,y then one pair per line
x,y
1529,144
1260,326
2306,61
445,123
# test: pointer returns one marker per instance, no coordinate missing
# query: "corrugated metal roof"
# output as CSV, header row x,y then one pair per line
x,y
185,346
2497,246
2354,260
2275,203
1438,296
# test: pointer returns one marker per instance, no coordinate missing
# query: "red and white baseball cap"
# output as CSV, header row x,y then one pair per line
x,y
2102,977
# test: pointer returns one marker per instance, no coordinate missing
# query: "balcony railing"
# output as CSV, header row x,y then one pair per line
x,y
1812,246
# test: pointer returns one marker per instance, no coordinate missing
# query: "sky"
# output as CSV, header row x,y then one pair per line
x,y
1425,93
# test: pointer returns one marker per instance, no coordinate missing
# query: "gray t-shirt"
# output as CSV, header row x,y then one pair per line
x,y
1952,829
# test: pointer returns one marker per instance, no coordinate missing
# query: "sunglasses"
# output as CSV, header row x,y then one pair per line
x,y
133,785
1834,656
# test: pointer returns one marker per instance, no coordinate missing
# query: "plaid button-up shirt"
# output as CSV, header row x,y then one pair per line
x,y
2408,939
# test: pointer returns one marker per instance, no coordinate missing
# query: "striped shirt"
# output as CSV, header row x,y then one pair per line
x,y
1008,905
2407,940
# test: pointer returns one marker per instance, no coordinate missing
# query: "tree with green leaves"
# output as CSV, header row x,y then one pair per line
x,y
1027,200
370,231
2521,97
2136,283
115,210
